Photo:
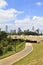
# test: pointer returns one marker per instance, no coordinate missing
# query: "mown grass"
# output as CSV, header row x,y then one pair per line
x,y
34,58
20,46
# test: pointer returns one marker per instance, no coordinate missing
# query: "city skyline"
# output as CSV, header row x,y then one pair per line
x,y
21,13
13,30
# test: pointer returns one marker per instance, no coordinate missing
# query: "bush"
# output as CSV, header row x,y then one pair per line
x,y
4,43
3,35
9,48
1,50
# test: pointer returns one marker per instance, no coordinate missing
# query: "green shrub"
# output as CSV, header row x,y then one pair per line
x,y
1,49
4,43
1,52
9,48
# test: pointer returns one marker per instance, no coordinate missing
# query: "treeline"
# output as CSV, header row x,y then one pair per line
x,y
7,44
29,33
26,32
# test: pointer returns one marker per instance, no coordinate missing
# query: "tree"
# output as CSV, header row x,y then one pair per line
x,y
1,49
9,48
3,35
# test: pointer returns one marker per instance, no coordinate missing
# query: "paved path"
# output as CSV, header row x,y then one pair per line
x,y
14,58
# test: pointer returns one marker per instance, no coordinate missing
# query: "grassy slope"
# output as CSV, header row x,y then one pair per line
x,y
35,58
19,47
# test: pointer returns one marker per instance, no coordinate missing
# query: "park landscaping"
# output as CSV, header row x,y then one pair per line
x,y
9,46
35,57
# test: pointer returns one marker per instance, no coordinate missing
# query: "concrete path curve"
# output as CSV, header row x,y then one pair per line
x,y
16,57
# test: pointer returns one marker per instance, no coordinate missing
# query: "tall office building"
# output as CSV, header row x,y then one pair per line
x,y
0,29
13,31
6,28
33,28
19,30
37,31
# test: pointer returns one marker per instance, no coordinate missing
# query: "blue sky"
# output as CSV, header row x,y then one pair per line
x,y
17,13
28,6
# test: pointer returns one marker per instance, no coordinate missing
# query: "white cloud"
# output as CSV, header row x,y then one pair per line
x,y
39,3
24,23
9,14
3,3
27,23
38,20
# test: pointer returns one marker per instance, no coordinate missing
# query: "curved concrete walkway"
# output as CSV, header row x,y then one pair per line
x,y
16,57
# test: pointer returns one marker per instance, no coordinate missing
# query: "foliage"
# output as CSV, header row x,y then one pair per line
x,y
8,44
1,49
28,33
3,35
9,48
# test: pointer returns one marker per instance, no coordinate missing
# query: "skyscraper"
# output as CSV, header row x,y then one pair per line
x,y
33,28
37,31
0,29
6,28
19,30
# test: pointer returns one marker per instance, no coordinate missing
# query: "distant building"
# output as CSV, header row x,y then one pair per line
x,y
19,30
37,31
13,31
26,30
0,29
33,28
6,28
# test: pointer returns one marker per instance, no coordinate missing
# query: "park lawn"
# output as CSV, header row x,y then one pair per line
x,y
19,47
34,58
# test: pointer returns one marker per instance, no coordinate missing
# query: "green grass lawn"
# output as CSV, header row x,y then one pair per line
x,y
19,47
34,58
